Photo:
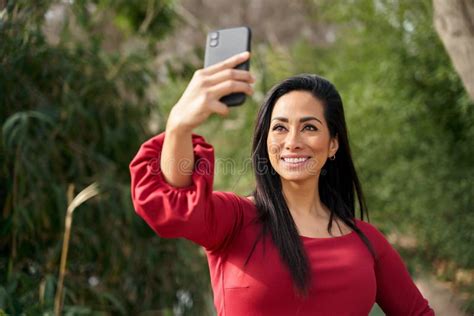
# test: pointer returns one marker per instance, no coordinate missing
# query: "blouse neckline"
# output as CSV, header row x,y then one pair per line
x,y
306,238
329,238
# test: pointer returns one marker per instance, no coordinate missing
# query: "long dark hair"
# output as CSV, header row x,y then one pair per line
x,y
338,182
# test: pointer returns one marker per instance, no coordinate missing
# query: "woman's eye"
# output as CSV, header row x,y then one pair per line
x,y
311,127
278,128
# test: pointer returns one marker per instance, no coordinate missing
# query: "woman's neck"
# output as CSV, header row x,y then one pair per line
x,y
303,198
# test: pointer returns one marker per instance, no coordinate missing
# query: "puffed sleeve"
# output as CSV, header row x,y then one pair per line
x,y
397,294
206,217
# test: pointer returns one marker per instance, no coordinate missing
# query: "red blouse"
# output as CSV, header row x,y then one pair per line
x,y
346,280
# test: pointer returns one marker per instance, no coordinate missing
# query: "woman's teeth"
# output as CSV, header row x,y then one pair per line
x,y
295,160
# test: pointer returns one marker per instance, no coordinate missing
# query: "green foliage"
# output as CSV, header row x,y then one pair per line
x,y
146,17
408,111
75,113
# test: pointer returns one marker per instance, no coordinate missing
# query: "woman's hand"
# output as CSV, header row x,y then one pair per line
x,y
208,85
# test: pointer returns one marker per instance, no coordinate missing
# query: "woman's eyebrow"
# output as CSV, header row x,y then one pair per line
x,y
302,120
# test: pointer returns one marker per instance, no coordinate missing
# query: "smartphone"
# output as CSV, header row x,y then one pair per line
x,y
224,43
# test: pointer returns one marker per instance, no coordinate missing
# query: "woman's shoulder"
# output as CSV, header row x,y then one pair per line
x,y
374,235
248,201
367,227
362,224
245,203
240,205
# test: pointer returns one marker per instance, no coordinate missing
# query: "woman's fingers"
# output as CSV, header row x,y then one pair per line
x,y
219,108
228,63
229,74
231,86
207,87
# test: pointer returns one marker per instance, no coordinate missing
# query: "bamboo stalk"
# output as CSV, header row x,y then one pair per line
x,y
86,194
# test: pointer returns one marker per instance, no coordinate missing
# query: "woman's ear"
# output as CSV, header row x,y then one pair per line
x,y
333,145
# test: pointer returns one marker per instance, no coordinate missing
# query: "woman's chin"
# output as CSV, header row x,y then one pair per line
x,y
296,177
298,174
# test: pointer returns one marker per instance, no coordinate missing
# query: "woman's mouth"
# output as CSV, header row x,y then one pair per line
x,y
294,162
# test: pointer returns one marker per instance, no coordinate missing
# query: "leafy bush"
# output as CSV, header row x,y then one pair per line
x,y
74,113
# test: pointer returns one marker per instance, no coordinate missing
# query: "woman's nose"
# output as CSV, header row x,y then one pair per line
x,y
293,140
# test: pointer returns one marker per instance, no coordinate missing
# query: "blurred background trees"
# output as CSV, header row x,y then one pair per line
x,y
75,102
84,83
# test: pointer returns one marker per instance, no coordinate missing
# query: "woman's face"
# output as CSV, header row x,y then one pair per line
x,y
298,141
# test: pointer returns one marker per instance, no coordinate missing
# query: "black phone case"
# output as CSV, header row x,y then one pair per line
x,y
224,43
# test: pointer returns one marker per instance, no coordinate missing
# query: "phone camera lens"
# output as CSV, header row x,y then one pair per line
x,y
213,43
214,35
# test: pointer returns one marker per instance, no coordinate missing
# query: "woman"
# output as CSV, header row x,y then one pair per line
x,y
276,252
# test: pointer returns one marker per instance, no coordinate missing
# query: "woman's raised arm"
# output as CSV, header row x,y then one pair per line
x,y
172,192
199,101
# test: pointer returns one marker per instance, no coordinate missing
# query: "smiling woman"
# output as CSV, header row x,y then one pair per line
x,y
299,142
300,128
274,253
